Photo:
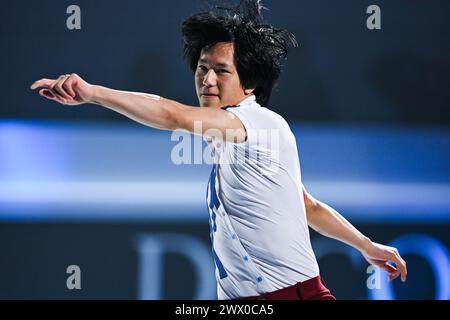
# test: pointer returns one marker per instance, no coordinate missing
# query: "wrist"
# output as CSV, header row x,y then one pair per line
x,y
364,244
97,94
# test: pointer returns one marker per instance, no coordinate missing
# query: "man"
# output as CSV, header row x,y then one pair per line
x,y
259,209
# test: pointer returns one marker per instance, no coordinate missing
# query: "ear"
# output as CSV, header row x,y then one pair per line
x,y
249,91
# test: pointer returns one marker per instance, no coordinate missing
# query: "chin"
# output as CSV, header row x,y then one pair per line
x,y
208,105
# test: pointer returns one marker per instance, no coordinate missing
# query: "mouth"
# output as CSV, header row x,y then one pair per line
x,y
209,95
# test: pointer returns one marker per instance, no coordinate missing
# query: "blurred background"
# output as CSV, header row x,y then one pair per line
x,y
88,187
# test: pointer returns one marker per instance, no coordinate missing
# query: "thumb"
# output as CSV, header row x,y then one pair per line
x,y
46,93
389,268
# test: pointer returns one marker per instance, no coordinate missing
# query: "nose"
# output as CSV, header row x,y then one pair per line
x,y
210,79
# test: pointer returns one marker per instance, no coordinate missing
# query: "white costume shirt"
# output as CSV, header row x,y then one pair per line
x,y
258,223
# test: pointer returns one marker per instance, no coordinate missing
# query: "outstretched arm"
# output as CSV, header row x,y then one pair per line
x,y
328,222
148,109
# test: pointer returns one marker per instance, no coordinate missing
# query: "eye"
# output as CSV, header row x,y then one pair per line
x,y
222,71
202,68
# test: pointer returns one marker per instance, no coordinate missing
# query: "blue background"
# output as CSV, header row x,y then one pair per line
x,y
86,186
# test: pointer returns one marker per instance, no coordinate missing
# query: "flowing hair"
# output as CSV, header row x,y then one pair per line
x,y
259,48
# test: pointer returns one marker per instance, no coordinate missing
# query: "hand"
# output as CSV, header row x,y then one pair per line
x,y
379,255
69,89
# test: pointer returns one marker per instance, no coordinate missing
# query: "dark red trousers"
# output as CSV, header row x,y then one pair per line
x,y
312,289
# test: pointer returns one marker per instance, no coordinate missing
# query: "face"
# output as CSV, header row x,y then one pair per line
x,y
216,79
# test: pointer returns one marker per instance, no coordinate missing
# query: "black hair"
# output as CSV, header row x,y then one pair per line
x,y
258,47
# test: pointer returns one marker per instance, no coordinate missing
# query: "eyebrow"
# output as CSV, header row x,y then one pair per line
x,y
220,65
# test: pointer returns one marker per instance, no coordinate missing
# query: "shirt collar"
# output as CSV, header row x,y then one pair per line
x,y
247,101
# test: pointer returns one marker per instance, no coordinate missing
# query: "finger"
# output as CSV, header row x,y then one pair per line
x,y
56,91
41,83
401,265
58,97
67,85
54,83
58,87
52,95
392,272
394,276
404,273
403,269
47,94
389,268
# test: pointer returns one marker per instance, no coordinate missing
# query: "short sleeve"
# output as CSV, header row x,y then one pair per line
x,y
246,120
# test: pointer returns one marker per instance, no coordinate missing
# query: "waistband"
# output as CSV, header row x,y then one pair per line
x,y
311,289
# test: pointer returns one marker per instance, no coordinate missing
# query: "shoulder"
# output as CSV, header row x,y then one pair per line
x,y
262,122
256,116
